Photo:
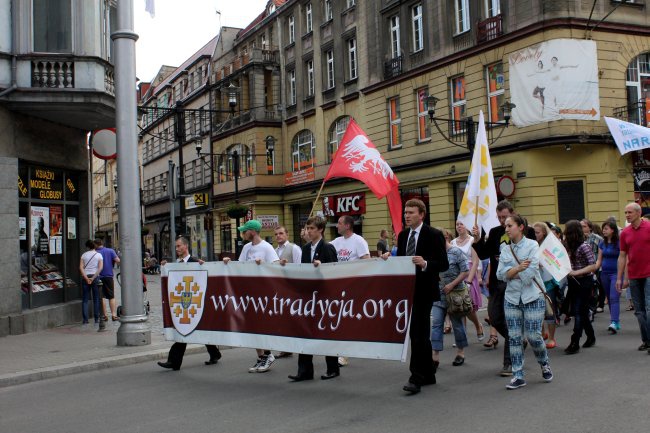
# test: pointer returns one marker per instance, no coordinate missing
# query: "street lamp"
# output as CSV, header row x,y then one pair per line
x,y
467,124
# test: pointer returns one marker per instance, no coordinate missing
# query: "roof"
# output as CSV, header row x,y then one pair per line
x,y
260,18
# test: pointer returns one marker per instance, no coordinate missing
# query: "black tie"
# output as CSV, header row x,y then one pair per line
x,y
410,246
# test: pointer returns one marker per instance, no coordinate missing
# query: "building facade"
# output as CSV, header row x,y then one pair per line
x,y
56,85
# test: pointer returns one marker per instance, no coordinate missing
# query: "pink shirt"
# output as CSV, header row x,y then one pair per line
x,y
636,244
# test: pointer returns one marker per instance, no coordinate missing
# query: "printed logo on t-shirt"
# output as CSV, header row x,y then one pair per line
x,y
344,255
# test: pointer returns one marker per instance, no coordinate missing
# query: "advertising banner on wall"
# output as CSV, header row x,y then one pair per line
x,y
40,227
554,80
359,309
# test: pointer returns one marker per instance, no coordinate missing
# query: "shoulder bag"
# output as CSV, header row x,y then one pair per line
x,y
459,302
549,312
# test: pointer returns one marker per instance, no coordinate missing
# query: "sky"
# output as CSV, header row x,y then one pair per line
x,y
181,27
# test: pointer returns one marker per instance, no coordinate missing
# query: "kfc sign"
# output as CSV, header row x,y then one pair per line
x,y
338,205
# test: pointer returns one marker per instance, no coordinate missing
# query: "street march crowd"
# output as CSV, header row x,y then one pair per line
x,y
525,302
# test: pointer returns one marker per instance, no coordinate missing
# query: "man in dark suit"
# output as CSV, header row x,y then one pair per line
x,y
177,351
317,251
426,245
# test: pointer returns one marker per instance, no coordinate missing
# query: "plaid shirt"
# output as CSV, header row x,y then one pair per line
x,y
583,257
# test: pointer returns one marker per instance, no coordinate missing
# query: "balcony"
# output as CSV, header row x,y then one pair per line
x,y
256,56
393,67
489,29
633,113
71,90
270,113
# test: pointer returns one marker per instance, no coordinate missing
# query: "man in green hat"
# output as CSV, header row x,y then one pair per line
x,y
259,251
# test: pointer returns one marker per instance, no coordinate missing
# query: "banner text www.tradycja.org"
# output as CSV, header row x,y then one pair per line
x,y
336,309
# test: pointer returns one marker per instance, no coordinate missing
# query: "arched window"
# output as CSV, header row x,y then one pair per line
x,y
226,163
637,82
303,150
336,135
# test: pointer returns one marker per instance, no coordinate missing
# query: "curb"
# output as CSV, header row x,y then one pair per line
x,y
23,377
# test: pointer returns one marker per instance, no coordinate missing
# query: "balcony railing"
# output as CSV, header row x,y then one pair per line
x,y
393,67
256,55
52,73
634,113
489,29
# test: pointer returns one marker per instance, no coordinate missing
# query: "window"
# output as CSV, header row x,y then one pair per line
x,y
292,29
226,163
330,69
303,150
308,17
458,103
52,26
328,10
351,3
570,200
337,130
395,123
424,132
394,36
292,87
310,78
637,85
495,91
418,37
492,8
462,15
352,58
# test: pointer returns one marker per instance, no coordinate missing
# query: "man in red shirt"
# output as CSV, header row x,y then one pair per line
x,y
635,244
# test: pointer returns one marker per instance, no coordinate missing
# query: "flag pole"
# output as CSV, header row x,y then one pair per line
x,y
476,213
313,206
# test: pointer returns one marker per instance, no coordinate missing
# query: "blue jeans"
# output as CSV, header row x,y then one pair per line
x,y
85,297
525,320
438,313
608,281
640,290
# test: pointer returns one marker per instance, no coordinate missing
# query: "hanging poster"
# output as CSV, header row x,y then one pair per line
x,y
40,226
56,220
554,80
72,228
22,228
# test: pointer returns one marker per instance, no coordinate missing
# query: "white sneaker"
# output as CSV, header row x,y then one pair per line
x,y
343,361
267,360
257,365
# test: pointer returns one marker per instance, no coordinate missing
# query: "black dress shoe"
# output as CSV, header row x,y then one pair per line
x,y
301,377
212,361
330,375
411,387
572,349
168,365
459,360
590,342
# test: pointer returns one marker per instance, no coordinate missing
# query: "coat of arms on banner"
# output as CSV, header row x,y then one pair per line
x,y
186,291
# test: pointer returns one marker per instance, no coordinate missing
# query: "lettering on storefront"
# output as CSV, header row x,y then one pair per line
x,y
22,187
300,176
70,186
354,204
43,185
196,200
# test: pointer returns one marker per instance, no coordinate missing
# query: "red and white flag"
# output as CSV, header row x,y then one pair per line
x,y
358,158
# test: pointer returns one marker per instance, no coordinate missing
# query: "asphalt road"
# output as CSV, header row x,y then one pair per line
x,y
602,389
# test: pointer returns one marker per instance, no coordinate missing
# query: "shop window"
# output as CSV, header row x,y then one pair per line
x,y
424,130
52,26
570,200
337,130
395,121
458,103
495,91
303,150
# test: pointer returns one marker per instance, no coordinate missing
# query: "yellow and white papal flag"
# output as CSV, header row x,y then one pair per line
x,y
479,205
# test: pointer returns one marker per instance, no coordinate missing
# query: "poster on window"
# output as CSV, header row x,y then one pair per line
x,y
40,226
56,221
72,228
554,80
22,228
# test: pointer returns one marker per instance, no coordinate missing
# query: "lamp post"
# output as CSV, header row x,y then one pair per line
x,y
269,142
468,124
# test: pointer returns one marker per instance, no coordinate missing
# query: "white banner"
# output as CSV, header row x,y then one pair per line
x,y
628,136
554,80
554,258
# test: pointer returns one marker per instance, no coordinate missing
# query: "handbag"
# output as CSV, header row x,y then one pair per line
x,y
459,303
549,311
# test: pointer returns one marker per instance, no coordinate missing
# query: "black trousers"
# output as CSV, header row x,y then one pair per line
x,y
306,365
582,288
421,365
498,317
177,351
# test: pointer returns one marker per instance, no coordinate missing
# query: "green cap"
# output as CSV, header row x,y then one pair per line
x,y
251,225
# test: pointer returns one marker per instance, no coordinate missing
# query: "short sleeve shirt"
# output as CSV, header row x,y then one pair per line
x,y
636,244
457,264
108,255
351,248
263,251
91,260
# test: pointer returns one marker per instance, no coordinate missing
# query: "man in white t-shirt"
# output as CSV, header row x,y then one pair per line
x,y
349,246
259,251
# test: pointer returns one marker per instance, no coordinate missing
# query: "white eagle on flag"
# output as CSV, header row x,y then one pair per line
x,y
362,157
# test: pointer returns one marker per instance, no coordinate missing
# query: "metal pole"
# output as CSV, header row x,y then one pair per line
x,y
471,138
235,163
179,123
134,329
172,210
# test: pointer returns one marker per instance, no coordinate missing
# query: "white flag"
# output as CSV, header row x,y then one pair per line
x,y
150,7
480,187
554,258
628,136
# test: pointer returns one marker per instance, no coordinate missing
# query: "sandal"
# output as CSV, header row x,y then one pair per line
x,y
447,330
115,318
492,342
479,333
551,344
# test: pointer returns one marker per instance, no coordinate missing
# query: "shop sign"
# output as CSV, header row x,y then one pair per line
x,y
269,221
196,200
642,180
46,184
353,204
300,176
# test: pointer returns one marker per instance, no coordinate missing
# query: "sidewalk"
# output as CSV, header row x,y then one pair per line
x,y
78,348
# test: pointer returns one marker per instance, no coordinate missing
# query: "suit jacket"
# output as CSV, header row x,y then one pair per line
x,y
325,252
431,246
192,259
